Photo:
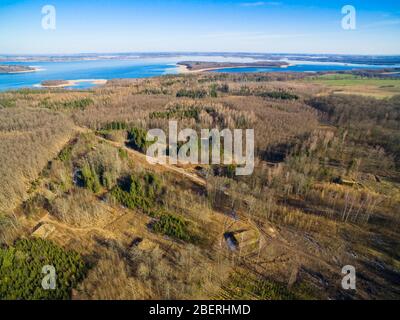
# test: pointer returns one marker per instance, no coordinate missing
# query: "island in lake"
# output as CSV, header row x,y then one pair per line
x,y
15,69
69,83
200,66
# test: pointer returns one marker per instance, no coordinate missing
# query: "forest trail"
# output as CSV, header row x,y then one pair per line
x,y
136,154
47,219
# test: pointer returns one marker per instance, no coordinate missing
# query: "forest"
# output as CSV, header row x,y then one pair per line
x,y
77,192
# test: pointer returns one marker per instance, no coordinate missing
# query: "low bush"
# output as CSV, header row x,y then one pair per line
x,y
81,104
248,287
65,154
283,95
224,88
228,171
173,226
90,179
177,112
137,139
21,270
7,103
213,91
138,192
115,125
194,94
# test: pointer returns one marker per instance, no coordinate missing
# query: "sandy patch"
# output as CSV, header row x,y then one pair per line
x,y
71,83
184,69
35,69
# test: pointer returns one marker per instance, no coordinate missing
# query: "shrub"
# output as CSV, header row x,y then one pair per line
x,y
7,103
90,179
223,88
244,91
177,112
137,139
213,91
113,135
248,286
228,171
194,94
173,226
123,154
81,104
283,95
65,154
21,270
138,192
115,125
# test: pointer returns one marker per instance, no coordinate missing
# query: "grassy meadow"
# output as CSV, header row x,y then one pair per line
x,y
355,84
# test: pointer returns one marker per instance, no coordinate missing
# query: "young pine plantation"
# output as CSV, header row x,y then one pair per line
x,y
77,192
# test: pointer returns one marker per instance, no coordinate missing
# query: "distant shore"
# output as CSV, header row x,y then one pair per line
x,y
188,67
69,83
15,69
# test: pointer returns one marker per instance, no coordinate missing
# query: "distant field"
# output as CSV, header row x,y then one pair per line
x,y
351,84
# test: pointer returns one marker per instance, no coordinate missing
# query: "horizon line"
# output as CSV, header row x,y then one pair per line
x,y
189,51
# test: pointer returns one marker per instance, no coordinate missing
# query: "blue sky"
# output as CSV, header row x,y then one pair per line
x,y
287,26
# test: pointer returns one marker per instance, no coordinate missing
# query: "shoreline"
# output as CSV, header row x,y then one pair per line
x,y
72,83
183,69
35,69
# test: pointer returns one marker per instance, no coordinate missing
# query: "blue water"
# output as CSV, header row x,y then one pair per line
x,y
301,68
143,68
98,69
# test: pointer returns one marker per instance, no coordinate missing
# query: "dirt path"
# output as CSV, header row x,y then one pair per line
x,y
47,219
192,177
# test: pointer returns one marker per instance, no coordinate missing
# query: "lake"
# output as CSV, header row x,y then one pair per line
x,y
300,68
138,68
97,69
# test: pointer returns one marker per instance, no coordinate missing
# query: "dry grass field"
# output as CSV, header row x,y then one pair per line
x,y
351,84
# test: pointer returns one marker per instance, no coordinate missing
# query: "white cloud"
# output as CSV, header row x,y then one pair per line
x,y
231,34
251,36
383,23
260,3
